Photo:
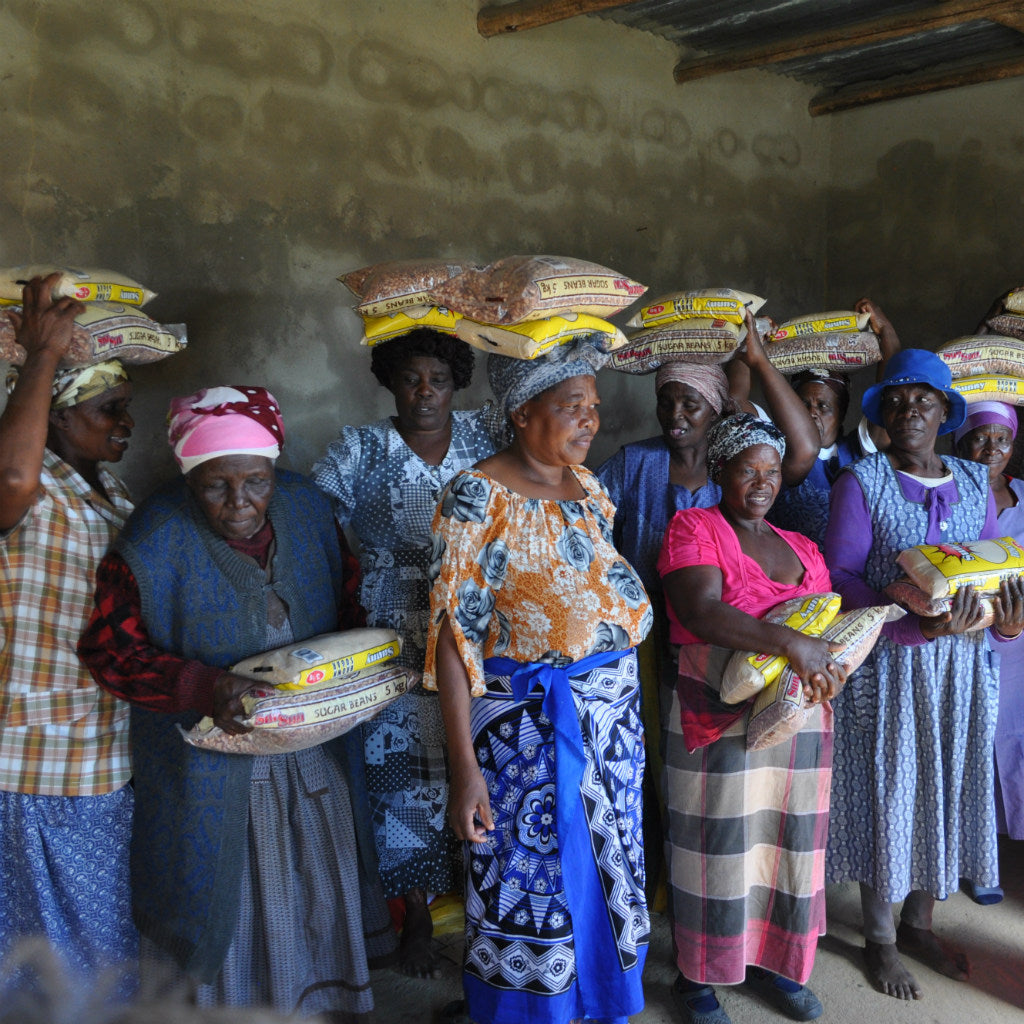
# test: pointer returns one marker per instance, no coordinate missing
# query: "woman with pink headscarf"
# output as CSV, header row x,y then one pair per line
x,y
245,870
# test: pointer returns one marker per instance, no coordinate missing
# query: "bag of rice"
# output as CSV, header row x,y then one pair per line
x,y
781,710
911,597
980,354
837,351
533,338
282,722
321,658
393,325
519,288
836,322
1008,324
699,340
707,303
106,330
991,389
749,672
398,284
1014,301
940,570
87,284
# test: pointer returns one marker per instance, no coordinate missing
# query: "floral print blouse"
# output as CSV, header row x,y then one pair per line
x,y
528,578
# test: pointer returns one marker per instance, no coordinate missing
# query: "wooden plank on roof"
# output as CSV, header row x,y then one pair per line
x,y
524,14
917,84
878,30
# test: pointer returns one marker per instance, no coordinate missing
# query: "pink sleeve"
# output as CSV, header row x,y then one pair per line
x,y
689,540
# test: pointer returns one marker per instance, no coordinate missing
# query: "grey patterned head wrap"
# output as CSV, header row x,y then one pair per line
x,y
734,434
515,381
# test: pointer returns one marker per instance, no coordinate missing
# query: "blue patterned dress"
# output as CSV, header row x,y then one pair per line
x,y
912,785
387,494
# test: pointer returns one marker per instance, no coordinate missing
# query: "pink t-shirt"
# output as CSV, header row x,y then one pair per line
x,y
703,536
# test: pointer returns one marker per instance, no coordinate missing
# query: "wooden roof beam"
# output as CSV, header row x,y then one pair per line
x,y
879,30
524,14
913,85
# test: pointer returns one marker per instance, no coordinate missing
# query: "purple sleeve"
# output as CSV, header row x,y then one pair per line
x,y
847,545
989,530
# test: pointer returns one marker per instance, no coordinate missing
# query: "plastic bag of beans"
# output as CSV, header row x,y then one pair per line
x,y
749,672
699,340
533,338
106,330
911,597
940,570
394,285
837,351
1007,323
979,354
87,284
706,303
519,288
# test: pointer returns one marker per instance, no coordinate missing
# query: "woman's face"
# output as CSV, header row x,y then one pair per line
x,y
991,445
684,414
423,387
823,405
912,415
558,426
234,491
96,430
750,481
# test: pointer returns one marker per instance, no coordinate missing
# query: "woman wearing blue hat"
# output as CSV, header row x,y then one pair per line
x,y
912,794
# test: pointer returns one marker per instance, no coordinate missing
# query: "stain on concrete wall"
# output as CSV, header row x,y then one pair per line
x,y
236,158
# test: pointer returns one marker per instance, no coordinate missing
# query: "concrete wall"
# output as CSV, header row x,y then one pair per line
x,y
236,157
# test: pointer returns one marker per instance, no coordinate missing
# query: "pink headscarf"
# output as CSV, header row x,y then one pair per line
x,y
224,421
981,414
707,379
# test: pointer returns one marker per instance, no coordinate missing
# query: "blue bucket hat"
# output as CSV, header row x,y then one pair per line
x,y
916,366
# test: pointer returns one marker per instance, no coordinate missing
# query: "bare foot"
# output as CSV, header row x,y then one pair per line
x,y
416,956
887,973
922,945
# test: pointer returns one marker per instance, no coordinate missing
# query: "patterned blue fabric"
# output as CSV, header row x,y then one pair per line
x,y
912,788
541,948
66,877
387,494
804,508
636,478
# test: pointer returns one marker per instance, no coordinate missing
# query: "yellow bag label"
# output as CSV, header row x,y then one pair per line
x,y
812,618
377,329
85,284
821,323
715,303
533,338
323,672
942,569
991,389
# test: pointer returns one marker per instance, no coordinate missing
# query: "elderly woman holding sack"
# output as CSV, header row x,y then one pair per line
x,y
65,803
245,869
913,786
746,841
534,619
986,436
385,479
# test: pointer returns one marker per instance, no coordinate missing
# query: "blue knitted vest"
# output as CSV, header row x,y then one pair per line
x,y
201,600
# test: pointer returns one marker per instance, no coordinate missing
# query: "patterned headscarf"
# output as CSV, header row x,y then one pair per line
x,y
735,434
219,421
76,384
836,381
982,414
515,381
708,380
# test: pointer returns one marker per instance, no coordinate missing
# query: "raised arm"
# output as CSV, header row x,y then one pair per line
x,y
44,331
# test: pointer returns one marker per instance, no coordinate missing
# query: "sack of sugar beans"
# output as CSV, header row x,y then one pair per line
x,y
105,330
308,692
395,285
781,710
706,303
697,340
87,284
835,350
533,338
940,570
518,288
911,597
983,354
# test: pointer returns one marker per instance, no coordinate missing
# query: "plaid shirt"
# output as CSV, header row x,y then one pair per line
x,y
60,734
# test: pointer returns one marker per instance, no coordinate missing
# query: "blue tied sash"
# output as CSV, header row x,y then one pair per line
x,y
603,987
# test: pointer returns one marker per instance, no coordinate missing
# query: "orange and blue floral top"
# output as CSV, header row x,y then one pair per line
x,y
530,579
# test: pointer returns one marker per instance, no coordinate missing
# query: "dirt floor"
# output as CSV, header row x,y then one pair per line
x,y
992,937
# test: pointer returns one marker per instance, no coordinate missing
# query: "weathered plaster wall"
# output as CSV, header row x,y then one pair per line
x,y
926,207
237,156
